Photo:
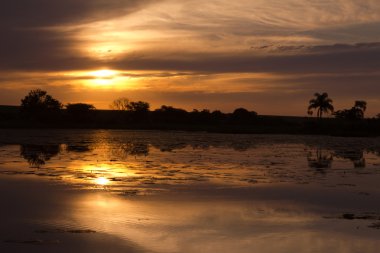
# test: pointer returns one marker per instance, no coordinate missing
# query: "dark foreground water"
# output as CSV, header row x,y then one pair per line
x,y
137,191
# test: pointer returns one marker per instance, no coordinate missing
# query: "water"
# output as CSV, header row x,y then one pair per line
x,y
191,192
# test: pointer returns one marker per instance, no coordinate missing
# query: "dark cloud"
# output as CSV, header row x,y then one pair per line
x,y
363,31
39,50
335,48
324,59
43,13
31,41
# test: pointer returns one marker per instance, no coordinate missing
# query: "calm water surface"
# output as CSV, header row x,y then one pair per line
x,y
151,191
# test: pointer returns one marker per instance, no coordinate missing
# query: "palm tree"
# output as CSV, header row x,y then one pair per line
x,y
359,108
322,103
361,104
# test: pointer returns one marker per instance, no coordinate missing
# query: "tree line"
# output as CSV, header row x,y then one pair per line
x,y
39,105
324,105
40,110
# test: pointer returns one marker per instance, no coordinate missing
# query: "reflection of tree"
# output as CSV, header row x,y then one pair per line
x,y
203,145
136,149
320,160
170,147
241,146
355,155
323,158
78,148
37,155
375,150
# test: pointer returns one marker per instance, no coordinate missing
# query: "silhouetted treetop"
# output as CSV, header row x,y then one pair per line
x,y
356,112
40,99
139,106
322,103
38,103
120,104
79,108
170,109
242,115
80,111
361,104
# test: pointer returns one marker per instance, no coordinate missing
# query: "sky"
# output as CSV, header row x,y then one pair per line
x,y
269,56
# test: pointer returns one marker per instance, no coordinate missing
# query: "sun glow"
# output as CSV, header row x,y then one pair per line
x,y
104,74
104,78
102,181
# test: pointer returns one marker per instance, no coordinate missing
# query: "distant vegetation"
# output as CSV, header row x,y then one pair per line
x,y
356,112
323,104
39,109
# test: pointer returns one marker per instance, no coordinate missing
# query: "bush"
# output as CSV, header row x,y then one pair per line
x,y
80,112
38,104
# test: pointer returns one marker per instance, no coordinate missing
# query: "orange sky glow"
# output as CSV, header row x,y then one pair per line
x,y
267,55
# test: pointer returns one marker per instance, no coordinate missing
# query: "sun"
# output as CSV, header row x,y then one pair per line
x,y
102,181
105,79
104,74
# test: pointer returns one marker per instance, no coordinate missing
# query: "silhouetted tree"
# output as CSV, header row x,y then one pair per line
x,y
170,109
242,115
169,114
360,108
120,104
139,106
217,116
80,111
378,116
356,112
322,103
40,105
342,114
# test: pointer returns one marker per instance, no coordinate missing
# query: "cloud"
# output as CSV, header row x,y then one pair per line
x,y
45,13
194,46
337,58
42,34
334,48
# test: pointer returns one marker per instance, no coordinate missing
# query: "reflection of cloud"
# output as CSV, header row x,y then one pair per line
x,y
240,224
